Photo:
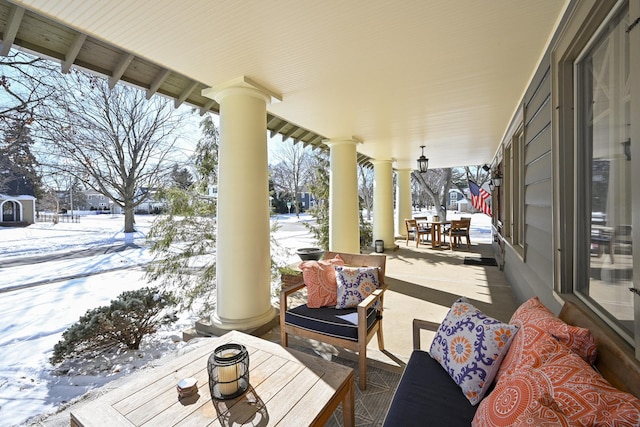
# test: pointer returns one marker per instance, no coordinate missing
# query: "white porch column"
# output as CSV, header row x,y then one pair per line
x,y
403,200
344,223
243,248
383,202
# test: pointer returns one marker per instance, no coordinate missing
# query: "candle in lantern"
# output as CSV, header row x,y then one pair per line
x,y
228,368
228,377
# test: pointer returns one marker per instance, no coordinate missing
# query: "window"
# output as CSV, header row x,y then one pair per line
x,y
517,188
603,185
513,184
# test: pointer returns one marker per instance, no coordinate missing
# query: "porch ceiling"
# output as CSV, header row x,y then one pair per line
x,y
396,75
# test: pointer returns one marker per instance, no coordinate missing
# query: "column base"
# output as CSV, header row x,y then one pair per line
x,y
392,247
258,325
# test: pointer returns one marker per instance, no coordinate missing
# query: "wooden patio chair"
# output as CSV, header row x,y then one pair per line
x,y
415,230
459,229
349,328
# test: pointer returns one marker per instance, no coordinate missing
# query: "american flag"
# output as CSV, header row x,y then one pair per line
x,y
479,198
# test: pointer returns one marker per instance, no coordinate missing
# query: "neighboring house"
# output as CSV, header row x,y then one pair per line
x,y
454,197
17,210
212,191
306,200
97,201
152,203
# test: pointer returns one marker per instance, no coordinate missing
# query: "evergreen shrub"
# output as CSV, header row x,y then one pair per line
x,y
131,316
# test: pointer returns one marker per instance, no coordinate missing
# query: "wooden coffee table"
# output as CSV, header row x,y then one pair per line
x,y
287,388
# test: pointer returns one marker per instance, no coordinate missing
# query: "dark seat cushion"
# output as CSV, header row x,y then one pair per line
x,y
341,323
427,396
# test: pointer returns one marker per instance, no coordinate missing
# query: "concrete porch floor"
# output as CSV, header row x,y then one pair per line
x,y
424,283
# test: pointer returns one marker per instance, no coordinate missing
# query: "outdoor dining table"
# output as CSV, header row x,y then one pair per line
x,y
437,233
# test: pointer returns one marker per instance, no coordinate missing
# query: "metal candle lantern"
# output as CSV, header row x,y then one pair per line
x,y
228,368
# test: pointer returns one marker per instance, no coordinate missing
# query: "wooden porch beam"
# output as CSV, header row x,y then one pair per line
x,y
72,53
11,30
121,67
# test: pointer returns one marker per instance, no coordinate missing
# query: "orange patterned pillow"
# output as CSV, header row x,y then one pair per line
x,y
522,399
320,279
577,339
554,386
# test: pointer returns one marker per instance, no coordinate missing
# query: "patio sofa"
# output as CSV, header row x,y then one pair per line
x,y
545,377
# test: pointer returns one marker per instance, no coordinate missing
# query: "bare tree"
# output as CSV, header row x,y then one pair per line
x,y
365,175
113,140
461,176
436,183
25,85
290,171
25,88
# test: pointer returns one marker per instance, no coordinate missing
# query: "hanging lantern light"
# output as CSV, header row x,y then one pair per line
x,y
423,162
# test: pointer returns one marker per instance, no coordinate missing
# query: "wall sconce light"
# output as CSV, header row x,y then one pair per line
x,y
423,162
496,180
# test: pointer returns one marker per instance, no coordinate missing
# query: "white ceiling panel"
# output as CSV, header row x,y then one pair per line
x,y
445,74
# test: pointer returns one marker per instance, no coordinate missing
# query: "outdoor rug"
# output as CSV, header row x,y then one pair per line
x,y
372,404
480,261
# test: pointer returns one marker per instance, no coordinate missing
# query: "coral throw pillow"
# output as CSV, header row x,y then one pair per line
x,y
555,386
579,340
320,279
470,346
355,284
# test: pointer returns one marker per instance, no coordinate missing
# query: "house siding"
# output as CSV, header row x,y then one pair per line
x,y
532,274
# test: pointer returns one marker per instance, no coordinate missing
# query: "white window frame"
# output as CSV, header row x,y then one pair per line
x,y
513,185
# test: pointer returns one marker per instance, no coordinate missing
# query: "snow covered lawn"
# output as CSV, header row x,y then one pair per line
x,y
41,306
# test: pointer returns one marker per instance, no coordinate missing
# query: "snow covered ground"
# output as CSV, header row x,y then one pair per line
x,y
43,292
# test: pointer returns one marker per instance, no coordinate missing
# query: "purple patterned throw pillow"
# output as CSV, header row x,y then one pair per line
x,y
470,346
355,284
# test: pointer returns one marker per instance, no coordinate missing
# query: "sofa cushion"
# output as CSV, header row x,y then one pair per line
x,y
552,385
577,339
320,279
426,395
355,284
521,400
342,323
536,322
470,346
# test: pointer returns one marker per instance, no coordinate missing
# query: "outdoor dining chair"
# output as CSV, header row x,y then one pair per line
x,y
459,229
415,230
